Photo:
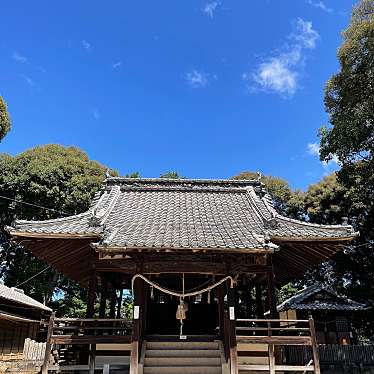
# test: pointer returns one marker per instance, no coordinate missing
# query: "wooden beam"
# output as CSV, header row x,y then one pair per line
x,y
90,339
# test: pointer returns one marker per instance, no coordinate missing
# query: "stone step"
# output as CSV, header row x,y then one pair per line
x,y
182,370
182,353
182,361
182,345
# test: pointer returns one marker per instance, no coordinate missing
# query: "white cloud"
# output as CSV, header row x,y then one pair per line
x,y
280,73
210,8
96,114
277,74
28,80
321,5
86,45
197,79
328,166
117,64
19,58
305,34
313,149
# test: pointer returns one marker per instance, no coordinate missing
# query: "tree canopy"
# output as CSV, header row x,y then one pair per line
x,y
286,201
61,179
172,175
5,123
349,102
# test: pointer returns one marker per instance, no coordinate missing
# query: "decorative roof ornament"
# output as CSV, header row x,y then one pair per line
x,y
267,236
259,176
271,223
94,220
107,174
105,237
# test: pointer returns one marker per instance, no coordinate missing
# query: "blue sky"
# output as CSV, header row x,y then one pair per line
x,y
207,88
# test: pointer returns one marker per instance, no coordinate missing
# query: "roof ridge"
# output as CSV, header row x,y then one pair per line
x,y
183,181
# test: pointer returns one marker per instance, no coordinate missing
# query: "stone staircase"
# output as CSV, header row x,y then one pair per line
x,y
183,357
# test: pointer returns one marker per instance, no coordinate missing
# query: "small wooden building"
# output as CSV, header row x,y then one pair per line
x,y
171,240
332,313
20,318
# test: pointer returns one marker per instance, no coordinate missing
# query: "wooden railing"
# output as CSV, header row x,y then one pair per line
x,y
85,331
277,333
333,354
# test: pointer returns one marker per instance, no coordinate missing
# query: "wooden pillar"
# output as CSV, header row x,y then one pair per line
x,y
221,309
232,333
48,345
92,285
317,369
272,302
103,296
136,336
113,301
91,359
91,292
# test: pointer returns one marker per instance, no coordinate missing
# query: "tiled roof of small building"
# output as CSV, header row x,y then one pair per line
x,y
182,213
18,296
307,299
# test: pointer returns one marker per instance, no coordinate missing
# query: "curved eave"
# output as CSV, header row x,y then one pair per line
x,y
349,238
123,249
55,235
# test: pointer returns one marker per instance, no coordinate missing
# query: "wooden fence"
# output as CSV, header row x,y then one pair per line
x,y
33,351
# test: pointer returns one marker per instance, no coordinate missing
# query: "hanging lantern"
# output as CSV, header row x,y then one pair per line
x,y
181,313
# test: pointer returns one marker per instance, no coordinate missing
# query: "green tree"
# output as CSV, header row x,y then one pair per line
x,y
62,179
286,201
349,102
327,201
135,174
5,123
172,175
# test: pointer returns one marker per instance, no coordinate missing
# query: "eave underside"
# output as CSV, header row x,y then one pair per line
x,y
76,258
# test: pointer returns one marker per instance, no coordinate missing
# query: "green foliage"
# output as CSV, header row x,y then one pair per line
x,y
349,102
286,292
349,94
172,175
135,174
5,123
127,306
56,177
286,201
326,202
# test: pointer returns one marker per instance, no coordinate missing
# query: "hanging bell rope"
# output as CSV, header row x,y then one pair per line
x,y
181,294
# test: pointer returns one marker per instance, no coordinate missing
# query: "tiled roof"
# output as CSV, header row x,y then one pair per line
x,y
308,299
18,296
172,213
